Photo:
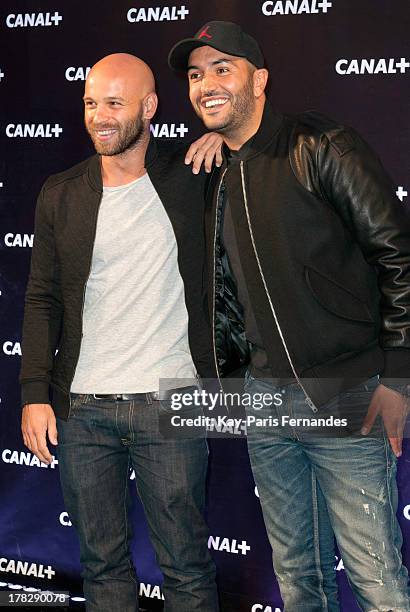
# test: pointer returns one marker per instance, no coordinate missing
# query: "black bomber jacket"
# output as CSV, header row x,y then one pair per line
x,y
324,245
65,226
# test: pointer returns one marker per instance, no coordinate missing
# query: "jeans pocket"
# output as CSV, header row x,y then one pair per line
x,y
76,403
353,405
367,386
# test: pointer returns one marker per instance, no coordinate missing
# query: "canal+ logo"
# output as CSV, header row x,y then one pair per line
x,y
228,545
373,65
168,130
157,13
18,240
33,130
27,459
11,348
77,73
33,20
258,607
26,568
295,7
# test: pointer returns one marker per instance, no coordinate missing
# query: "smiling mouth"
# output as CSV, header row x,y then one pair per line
x,y
105,134
215,103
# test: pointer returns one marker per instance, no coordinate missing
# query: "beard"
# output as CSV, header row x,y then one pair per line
x,y
128,136
242,107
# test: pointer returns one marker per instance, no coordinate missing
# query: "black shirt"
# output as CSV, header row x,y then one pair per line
x,y
259,363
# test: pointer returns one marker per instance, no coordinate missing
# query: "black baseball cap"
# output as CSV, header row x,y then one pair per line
x,y
225,36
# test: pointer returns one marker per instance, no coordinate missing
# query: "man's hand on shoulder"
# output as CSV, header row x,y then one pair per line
x,y
37,421
205,150
393,408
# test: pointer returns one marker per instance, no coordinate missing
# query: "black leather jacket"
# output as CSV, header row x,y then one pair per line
x,y
66,218
325,250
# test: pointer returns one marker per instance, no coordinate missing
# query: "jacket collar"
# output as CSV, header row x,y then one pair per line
x,y
94,167
269,127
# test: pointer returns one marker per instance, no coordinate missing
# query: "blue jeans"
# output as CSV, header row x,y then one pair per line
x,y
96,447
312,485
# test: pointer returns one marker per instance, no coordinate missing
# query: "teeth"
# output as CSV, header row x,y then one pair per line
x,y
105,132
211,103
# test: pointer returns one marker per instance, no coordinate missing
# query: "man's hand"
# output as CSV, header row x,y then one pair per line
x,y
36,422
393,408
205,150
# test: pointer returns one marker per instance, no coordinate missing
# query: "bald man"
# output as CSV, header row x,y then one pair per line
x,y
115,287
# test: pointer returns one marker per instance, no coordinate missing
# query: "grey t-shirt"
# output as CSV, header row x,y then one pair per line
x,y
135,321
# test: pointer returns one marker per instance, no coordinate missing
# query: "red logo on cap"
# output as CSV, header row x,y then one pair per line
x,y
204,33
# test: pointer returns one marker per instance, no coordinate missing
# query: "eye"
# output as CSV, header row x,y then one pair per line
x,y
222,70
89,104
194,76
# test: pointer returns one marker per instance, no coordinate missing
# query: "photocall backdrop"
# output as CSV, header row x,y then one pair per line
x,y
347,59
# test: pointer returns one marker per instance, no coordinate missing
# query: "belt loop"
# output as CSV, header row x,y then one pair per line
x,y
149,397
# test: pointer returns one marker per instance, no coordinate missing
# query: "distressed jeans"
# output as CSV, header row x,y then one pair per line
x,y
96,447
312,486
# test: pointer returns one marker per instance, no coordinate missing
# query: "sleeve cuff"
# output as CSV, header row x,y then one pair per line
x,y
396,373
35,392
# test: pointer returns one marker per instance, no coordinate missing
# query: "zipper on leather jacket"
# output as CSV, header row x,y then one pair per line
x,y
214,278
84,290
245,200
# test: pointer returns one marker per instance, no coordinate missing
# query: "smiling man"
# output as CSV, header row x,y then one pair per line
x,y
116,286
309,268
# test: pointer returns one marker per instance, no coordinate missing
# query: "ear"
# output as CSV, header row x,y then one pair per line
x,y
260,79
149,105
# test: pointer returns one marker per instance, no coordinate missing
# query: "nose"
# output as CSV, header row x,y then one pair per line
x,y
208,84
100,114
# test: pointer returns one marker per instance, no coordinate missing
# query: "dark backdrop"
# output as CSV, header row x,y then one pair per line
x,y
314,57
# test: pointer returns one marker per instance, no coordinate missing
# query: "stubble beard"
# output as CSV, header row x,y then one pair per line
x,y
129,136
243,106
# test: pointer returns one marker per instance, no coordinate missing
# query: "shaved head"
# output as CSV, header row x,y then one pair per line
x,y
133,72
120,101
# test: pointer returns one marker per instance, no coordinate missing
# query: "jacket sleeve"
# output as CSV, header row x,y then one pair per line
x,y
354,182
43,309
